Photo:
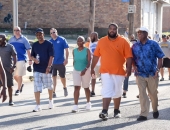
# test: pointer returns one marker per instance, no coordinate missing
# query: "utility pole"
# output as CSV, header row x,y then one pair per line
x,y
92,17
131,11
15,13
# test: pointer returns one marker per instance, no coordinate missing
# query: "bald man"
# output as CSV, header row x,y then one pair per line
x,y
6,52
22,47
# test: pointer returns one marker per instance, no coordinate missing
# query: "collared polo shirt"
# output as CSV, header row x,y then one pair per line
x,y
21,45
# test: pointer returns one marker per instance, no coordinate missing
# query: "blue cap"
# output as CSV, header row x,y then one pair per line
x,y
39,30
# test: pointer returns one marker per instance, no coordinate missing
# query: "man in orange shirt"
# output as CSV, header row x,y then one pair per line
x,y
115,52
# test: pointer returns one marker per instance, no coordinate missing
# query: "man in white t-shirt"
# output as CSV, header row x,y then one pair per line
x,y
92,47
156,37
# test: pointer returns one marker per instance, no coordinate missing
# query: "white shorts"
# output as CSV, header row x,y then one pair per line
x,y
41,81
84,80
112,85
20,69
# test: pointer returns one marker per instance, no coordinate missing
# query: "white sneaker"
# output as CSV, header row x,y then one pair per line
x,y
37,108
88,106
50,104
75,109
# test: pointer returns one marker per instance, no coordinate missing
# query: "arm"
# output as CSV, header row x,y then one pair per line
x,y
29,56
73,56
67,54
4,82
129,66
159,63
14,63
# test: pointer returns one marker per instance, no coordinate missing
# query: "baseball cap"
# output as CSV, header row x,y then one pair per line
x,y
39,30
143,29
29,68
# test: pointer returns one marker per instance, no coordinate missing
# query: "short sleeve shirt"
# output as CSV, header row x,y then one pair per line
x,y
21,46
113,54
6,53
145,57
45,50
165,46
59,45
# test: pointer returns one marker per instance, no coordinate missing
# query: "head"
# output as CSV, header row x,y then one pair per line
x,y
113,30
80,41
156,32
53,33
88,39
40,34
127,29
164,39
2,39
142,33
132,37
17,31
167,37
94,37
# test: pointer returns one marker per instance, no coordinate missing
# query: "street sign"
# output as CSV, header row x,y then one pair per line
x,y
132,9
125,0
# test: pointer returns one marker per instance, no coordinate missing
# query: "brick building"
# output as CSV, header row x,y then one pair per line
x,y
166,19
72,16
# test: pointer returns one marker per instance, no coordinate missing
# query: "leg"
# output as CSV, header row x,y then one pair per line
x,y
54,83
10,90
37,97
76,94
117,103
162,72
169,72
50,92
87,92
106,103
143,97
93,82
63,80
19,79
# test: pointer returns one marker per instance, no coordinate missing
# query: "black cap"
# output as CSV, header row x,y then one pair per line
x,y
163,36
39,30
29,69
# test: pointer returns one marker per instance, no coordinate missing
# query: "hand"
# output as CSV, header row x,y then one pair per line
x,y
156,75
83,72
48,70
65,62
92,73
11,70
36,61
30,62
3,94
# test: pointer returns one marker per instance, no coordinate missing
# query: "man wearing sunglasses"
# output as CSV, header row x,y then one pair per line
x,y
59,45
147,56
22,47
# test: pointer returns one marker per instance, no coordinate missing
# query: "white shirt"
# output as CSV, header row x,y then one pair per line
x,y
92,47
156,37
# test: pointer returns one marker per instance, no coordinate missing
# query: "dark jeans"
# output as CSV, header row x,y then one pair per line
x,y
125,84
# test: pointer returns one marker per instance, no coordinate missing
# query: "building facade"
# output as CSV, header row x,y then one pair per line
x,y
72,16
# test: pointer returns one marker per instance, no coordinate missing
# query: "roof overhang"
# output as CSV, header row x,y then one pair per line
x,y
162,1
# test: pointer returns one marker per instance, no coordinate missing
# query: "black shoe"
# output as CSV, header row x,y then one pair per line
x,y
124,95
103,116
137,96
11,103
162,79
155,114
117,113
92,94
141,118
17,92
21,88
54,95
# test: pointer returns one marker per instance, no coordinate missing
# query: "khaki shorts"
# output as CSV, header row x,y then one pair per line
x,y
97,71
83,81
20,69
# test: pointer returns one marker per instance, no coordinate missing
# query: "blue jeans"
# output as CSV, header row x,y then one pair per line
x,y
125,84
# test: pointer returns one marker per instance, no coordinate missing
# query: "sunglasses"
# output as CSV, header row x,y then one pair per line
x,y
52,33
16,30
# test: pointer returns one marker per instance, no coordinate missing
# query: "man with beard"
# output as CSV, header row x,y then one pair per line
x,y
8,57
92,47
115,52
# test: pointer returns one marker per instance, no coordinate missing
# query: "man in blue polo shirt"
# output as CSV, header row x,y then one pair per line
x,y
147,56
59,44
22,46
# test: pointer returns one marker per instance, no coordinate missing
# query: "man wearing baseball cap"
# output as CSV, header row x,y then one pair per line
x,y
42,55
146,53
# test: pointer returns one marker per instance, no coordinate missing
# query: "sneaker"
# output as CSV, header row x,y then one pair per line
x,y
141,118
117,113
124,95
137,96
103,115
50,104
37,108
54,95
155,114
162,79
11,103
65,92
88,106
17,92
92,94
75,109
21,88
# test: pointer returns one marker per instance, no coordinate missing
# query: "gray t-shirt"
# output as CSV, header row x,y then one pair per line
x,y
165,46
6,53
